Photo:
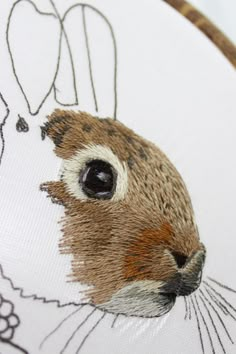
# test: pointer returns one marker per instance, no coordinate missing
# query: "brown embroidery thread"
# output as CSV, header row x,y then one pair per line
x,y
141,238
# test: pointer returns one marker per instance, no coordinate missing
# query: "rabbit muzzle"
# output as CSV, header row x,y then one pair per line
x,y
150,298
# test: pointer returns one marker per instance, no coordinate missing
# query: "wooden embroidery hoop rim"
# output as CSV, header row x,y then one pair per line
x,y
221,41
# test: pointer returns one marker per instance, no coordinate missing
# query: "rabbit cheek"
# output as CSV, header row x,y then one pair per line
x,y
56,191
146,260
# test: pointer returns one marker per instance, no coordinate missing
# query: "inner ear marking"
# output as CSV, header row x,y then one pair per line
x,y
77,163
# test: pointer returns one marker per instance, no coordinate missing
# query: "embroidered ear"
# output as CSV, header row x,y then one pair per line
x,y
70,131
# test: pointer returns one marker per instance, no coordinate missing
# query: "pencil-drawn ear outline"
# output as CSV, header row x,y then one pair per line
x,y
35,112
69,49
63,34
86,35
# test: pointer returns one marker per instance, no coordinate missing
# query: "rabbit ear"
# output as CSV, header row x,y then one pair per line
x,y
70,131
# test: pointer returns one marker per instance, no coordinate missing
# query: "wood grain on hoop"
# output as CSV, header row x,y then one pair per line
x,y
207,27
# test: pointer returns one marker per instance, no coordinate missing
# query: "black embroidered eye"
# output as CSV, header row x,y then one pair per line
x,y
98,179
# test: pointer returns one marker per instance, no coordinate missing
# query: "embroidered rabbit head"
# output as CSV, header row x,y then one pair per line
x,y
129,223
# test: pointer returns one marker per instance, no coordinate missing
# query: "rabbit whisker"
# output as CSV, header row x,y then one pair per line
x,y
217,314
220,296
186,308
198,324
114,321
189,310
219,304
90,332
205,324
221,285
76,330
58,326
212,322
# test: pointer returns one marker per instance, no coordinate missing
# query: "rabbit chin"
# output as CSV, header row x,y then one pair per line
x,y
141,299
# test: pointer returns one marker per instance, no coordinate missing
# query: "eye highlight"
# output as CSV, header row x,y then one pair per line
x,y
98,179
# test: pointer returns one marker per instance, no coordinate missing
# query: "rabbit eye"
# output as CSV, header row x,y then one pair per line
x,y
95,172
98,179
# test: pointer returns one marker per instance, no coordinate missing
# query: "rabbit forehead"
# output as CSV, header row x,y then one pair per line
x,y
70,131
153,180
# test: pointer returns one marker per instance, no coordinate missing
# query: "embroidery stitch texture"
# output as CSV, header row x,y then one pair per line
x,y
153,253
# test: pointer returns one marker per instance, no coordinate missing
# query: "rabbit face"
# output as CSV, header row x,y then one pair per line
x,y
129,222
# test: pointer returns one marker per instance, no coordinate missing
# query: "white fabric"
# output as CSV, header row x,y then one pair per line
x,y
174,88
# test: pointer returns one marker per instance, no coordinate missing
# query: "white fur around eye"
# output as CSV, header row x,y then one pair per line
x,y
73,166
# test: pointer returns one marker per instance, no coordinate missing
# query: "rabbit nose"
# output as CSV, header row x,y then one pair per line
x,y
180,259
188,277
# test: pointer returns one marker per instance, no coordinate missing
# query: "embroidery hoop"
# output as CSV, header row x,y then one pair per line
x,y
206,26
